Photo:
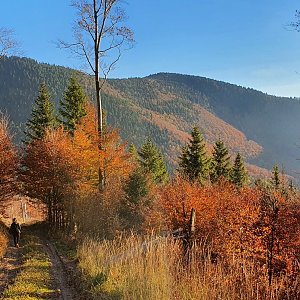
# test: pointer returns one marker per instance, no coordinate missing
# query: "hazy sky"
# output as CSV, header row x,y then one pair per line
x,y
239,41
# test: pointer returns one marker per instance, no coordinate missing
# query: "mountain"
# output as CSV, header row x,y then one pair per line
x,y
166,106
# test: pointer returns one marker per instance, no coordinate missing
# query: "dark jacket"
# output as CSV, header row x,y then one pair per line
x,y
15,228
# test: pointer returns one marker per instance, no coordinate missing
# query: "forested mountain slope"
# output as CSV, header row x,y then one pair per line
x,y
165,107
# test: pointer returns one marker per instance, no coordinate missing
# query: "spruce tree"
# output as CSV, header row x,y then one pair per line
x,y
42,116
239,174
220,166
136,200
194,162
276,177
73,106
153,163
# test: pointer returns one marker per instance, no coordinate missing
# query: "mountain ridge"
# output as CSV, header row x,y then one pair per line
x,y
165,106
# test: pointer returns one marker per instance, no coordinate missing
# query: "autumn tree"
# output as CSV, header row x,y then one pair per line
x,y
49,173
152,162
194,162
73,106
42,116
8,162
220,165
99,36
238,173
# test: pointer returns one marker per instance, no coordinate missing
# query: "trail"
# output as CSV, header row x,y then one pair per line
x,y
11,264
9,267
59,273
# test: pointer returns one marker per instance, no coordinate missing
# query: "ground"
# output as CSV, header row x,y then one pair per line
x,y
34,271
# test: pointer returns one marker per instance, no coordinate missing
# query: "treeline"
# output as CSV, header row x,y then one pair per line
x,y
59,164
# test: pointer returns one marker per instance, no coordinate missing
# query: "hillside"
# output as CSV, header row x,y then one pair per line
x,y
166,106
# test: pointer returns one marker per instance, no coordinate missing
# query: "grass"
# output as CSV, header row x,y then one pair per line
x,y
147,269
34,281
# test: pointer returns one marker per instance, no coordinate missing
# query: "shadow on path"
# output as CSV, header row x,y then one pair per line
x,y
9,266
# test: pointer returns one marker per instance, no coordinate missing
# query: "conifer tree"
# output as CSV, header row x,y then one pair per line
x,y
136,200
220,166
152,162
194,162
73,106
42,116
276,177
239,174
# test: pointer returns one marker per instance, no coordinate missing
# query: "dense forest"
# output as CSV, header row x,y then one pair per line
x,y
165,107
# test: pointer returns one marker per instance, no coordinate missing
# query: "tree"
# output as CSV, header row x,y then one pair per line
x,y
136,200
73,106
220,162
296,24
276,177
194,162
153,163
42,116
99,34
239,174
8,162
8,45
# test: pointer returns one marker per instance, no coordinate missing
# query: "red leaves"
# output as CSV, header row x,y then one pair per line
x,y
237,221
8,162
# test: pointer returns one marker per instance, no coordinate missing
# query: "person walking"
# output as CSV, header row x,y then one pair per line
x,y
15,231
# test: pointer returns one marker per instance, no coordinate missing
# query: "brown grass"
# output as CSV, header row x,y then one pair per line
x,y
154,268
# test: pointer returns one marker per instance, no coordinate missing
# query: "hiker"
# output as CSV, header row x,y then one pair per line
x,y
15,231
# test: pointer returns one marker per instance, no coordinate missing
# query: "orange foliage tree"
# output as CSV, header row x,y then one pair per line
x,y
8,162
248,221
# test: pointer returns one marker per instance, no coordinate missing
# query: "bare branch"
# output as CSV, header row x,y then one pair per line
x,y
8,45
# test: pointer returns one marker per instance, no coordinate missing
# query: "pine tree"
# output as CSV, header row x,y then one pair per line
x,y
194,162
276,177
153,162
220,166
73,106
136,200
42,116
239,174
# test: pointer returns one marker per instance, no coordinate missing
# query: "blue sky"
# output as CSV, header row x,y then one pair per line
x,y
239,41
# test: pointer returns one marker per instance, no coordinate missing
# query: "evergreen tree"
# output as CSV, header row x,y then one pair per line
x,y
276,177
42,116
239,174
220,166
194,162
153,162
73,106
136,200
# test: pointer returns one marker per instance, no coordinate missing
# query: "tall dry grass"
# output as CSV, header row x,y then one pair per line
x,y
154,268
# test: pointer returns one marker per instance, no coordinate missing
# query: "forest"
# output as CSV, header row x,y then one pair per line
x,y
246,231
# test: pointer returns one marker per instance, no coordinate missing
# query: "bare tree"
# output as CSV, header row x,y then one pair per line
x,y
8,45
99,37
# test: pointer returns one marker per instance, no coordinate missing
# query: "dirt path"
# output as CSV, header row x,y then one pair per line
x,y
9,267
67,292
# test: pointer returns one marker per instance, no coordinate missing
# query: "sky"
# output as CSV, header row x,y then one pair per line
x,y
245,42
